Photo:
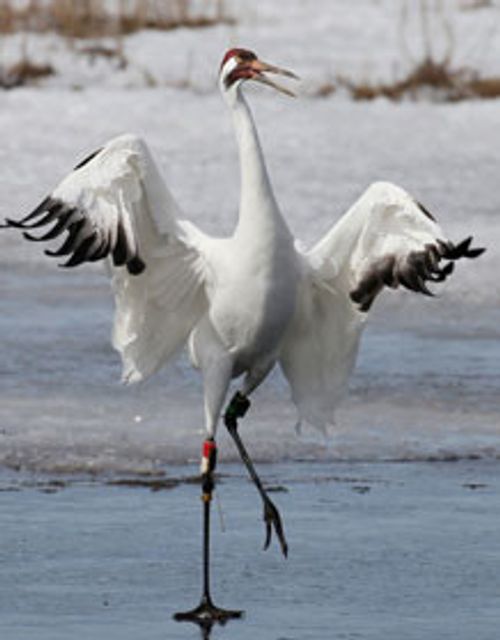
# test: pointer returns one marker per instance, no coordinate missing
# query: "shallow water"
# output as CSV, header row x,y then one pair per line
x,y
377,551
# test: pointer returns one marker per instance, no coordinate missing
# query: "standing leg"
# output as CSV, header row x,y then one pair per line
x,y
206,613
237,408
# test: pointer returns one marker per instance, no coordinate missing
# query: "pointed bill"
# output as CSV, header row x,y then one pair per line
x,y
270,83
261,68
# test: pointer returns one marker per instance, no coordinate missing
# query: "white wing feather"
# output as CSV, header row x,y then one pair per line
x,y
116,204
386,238
320,348
384,221
163,269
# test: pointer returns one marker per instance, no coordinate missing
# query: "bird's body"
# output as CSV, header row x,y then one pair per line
x,y
247,302
256,269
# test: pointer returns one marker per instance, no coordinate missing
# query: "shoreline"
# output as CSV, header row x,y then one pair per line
x,y
175,475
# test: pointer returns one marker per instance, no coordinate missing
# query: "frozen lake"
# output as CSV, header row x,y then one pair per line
x,y
377,552
393,518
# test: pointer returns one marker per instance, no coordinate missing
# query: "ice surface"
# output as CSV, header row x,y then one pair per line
x,y
377,552
427,381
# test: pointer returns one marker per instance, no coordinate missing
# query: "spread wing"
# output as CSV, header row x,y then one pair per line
x,y
386,239
115,205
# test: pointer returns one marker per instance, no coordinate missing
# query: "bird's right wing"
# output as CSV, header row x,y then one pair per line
x,y
115,205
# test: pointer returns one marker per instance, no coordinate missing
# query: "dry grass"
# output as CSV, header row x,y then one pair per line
x,y
473,5
96,51
78,20
486,88
23,73
101,18
431,76
429,79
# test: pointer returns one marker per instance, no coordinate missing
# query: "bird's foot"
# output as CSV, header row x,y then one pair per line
x,y
272,519
237,408
207,613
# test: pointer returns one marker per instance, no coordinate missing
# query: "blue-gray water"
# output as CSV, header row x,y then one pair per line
x,y
378,551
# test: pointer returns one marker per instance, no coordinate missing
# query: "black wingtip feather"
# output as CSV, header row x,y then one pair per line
x,y
448,269
45,205
418,268
78,245
69,245
100,252
88,159
135,266
14,224
475,253
80,255
120,250
56,230
463,249
426,211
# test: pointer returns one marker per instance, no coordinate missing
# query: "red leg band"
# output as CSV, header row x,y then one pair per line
x,y
208,456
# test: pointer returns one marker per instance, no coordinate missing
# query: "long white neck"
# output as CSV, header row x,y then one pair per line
x,y
258,207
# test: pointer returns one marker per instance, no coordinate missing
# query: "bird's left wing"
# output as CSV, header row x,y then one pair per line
x,y
386,239
115,205
389,239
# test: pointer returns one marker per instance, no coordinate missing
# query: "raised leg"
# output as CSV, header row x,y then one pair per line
x,y
237,408
206,613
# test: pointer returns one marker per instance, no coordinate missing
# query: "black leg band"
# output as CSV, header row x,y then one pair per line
x,y
237,408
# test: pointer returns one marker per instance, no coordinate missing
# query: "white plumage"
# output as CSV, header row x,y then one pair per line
x,y
246,302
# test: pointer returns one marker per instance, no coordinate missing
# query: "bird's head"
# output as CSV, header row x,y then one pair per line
x,y
239,65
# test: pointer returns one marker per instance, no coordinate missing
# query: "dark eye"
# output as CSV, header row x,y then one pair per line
x,y
247,56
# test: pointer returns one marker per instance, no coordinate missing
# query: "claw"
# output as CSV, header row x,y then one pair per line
x,y
267,541
272,519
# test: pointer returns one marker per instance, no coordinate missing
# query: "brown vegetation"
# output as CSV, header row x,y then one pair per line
x,y
96,19
486,88
24,72
100,18
429,78
111,53
472,5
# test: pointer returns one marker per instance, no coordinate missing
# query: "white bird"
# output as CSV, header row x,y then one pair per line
x,y
244,303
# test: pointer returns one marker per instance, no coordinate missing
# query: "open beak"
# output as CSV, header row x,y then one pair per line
x,y
259,70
